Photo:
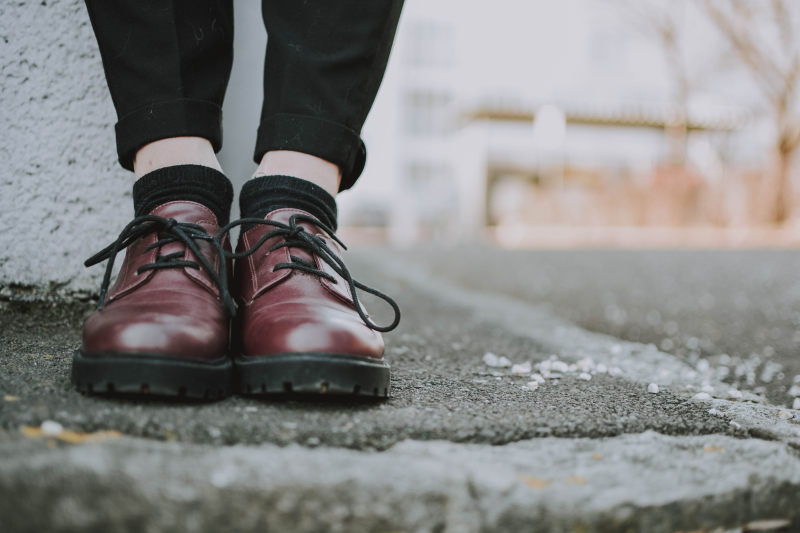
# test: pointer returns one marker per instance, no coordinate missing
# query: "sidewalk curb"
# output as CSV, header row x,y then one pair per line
x,y
643,482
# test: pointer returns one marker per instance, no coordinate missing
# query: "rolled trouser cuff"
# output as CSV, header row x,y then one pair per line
x,y
161,120
319,137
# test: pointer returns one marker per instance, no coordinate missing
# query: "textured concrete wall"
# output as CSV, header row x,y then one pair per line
x,y
62,194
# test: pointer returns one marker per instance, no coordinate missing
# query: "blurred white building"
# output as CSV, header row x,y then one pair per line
x,y
466,80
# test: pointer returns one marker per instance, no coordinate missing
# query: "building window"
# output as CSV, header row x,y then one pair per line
x,y
431,183
429,43
427,113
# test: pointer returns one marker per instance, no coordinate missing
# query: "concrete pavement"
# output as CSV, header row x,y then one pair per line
x,y
461,445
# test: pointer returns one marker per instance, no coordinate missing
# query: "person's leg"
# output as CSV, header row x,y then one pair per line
x,y
174,151
324,64
162,327
301,327
309,167
167,65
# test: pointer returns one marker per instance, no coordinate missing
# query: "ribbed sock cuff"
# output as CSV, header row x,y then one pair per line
x,y
265,194
193,183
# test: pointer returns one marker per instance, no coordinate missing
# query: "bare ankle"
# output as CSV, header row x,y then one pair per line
x,y
174,151
304,166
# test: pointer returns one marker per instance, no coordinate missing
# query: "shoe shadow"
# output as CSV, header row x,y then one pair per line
x,y
153,399
292,399
319,400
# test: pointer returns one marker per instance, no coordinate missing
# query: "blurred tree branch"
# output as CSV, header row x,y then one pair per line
x,y
775,71
662,20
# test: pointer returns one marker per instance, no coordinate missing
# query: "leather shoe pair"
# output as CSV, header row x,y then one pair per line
x,y
163,327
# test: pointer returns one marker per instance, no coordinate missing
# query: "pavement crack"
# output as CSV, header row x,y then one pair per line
x,y
637,362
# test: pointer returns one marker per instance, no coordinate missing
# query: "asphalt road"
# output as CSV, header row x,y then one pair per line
x,y
441,389
460,445
735,309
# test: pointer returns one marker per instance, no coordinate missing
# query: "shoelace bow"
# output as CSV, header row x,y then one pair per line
x,y
169,231
297,237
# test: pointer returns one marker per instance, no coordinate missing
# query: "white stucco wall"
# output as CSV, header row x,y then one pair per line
x,y
62,194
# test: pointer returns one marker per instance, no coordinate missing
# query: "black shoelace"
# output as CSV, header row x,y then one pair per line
x,y
297,237
169,231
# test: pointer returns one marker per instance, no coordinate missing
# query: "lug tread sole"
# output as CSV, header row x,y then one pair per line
x,y
312,374
148,375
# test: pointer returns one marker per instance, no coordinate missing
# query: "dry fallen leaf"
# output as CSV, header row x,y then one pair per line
x,y
713,448
535,482
32,432
597,456
576,480
11,398
72,437
766,525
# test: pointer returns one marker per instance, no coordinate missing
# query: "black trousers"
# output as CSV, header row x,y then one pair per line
x,y
167,63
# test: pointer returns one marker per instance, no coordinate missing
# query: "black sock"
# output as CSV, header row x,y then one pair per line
x,y
267,193
194,183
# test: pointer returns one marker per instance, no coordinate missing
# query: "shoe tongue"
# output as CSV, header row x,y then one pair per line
x,y
189,212
283,215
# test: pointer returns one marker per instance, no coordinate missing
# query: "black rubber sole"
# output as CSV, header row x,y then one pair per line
x,y
312,373
138,374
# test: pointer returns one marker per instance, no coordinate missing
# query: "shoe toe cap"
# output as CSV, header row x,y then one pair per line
x,y
298,331
154,333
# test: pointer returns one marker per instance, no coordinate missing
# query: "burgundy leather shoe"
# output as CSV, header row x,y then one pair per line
x,y
300,326
162,329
